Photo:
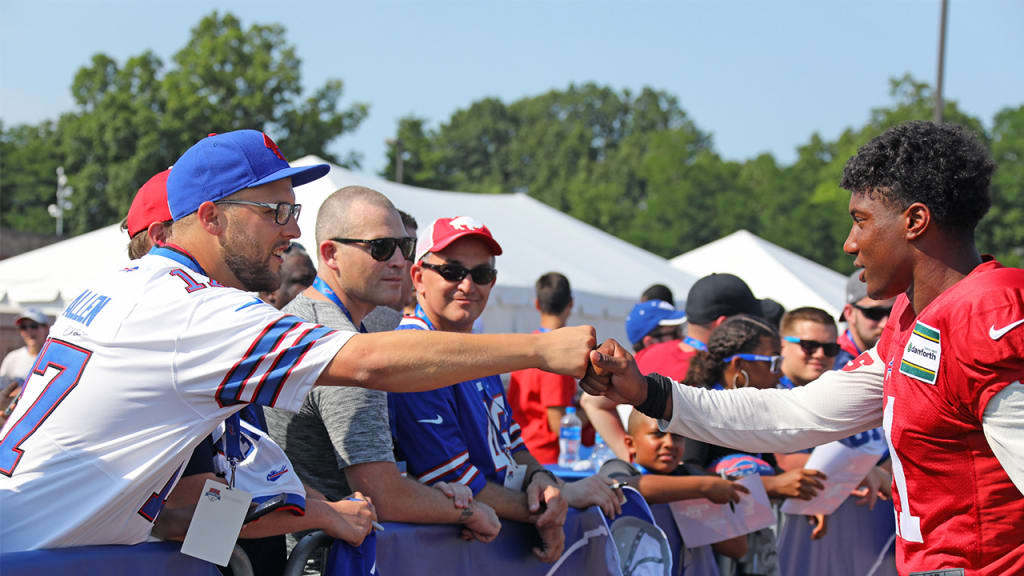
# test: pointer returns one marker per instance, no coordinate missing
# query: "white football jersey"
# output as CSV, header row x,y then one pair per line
x,y
137,370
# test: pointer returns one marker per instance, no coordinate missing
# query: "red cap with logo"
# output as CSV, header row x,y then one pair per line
x,y
149,205
443,231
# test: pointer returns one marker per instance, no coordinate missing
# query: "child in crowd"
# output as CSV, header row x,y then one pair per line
x,y
658,475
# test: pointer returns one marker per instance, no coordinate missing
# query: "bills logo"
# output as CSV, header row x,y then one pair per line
x,y
213,494
273,147
275,474
465,223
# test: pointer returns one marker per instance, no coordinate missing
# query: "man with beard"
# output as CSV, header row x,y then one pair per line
x,y
340,440
147,360
944,379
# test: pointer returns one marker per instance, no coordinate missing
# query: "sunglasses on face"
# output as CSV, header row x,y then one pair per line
x,y
382,249
29,326
809,347
774,362
874,314
283,211
482,274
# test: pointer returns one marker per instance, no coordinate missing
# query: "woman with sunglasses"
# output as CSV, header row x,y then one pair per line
x,y
744,352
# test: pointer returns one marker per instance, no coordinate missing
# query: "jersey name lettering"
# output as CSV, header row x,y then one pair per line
x,y
85,307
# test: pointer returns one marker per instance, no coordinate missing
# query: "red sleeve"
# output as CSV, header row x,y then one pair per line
x,y
555,390
990,352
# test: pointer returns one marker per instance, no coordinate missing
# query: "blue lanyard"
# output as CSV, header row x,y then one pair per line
x,y
543,330
320,286
180,256
695,343
423,316
850,338
232,444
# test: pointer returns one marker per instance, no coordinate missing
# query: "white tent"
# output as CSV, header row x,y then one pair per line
x,y
607,274
770,270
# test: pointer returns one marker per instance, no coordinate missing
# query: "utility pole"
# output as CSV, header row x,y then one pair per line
x,y
937,116
63,192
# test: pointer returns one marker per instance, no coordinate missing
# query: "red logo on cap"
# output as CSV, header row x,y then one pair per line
x,y
273,147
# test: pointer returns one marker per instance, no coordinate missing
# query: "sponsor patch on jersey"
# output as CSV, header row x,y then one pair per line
x,y
922,353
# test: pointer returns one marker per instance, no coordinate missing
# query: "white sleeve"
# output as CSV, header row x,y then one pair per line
x,y
235,349
838,404
1003,424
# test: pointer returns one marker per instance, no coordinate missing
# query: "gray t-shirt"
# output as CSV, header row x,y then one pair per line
x,y
337,426
382,319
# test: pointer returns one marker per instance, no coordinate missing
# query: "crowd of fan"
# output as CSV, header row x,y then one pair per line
x,y
465,454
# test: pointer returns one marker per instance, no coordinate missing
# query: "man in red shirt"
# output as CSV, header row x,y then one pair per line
x,y
538,399
944,379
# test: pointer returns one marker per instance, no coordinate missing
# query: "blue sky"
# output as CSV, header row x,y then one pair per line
x,y
759,76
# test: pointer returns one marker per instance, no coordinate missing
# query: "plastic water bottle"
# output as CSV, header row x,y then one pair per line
x,y
601,453
569,439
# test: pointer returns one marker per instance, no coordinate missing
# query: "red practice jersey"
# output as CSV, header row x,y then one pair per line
x,y
955,505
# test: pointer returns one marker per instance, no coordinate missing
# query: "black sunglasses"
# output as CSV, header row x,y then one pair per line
x,y
29,326
482,274
382,249
811,346
873,314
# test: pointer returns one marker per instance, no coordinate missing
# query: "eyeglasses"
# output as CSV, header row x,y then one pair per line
x,y
774,362
875,314
809,347
482,274
283,211
29,326
382,249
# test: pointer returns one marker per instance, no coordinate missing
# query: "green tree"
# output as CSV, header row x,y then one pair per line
x,y
1002,230
133,120
29,157
420,158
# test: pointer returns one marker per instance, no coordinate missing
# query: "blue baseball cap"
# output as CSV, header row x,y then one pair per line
x,y
222,164
646,316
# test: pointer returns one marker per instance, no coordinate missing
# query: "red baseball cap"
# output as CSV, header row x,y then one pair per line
x,y
443,231
149,205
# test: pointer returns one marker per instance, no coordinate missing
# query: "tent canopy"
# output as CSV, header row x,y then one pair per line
x,y
770,270
607,274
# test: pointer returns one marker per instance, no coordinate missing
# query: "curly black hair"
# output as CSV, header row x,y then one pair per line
x,y
943,166
737,335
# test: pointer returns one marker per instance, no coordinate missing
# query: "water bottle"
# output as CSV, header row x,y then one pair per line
x,y
569,439
601,453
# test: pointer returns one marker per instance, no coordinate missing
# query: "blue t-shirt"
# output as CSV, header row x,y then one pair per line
x,y
461,434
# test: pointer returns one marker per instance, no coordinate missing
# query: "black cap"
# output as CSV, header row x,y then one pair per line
x,y
720,295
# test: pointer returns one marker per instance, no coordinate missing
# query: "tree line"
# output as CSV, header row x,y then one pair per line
x,y
632,164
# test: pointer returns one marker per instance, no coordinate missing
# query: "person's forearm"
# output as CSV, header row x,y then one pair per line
x,y
401,499
508,505
791,461
733,547
837,405
1003,425
657,489
318,515
605,419
417,360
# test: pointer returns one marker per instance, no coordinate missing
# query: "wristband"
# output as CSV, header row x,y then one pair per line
x,y
541,470
658,390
